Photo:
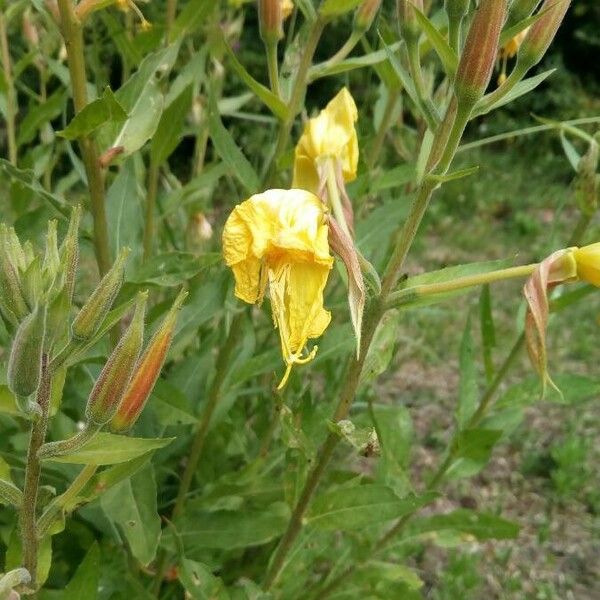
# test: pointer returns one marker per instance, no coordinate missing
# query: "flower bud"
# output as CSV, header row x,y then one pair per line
x,y
25,362
407,20
116,374
365,14
10,281
456,9
542,33
51,262
147,371
521,9
270,20
93,312
69,252
479,56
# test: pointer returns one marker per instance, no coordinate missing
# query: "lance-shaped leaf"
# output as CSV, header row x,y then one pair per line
x,y
343,246
556,268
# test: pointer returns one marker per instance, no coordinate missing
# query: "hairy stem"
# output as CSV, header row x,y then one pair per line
x,y
29,538
73,37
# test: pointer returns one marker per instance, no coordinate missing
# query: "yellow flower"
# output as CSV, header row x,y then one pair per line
x,y
330,135
588,263
279,238
511,47
287,6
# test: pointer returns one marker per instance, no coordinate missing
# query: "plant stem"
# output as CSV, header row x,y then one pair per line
x,y
11,104
214,395
29,538
410,294
61,502
153,173
73,37
349,45
454,27
273,66
296,97
171,14
426,105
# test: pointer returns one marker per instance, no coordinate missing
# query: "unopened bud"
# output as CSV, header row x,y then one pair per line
x,y
479,55
521,9
407,19
69,252
116,374
456,9
93,312
147,371
25,362
51,262
10,280
202,228
542,33
270,20
365,14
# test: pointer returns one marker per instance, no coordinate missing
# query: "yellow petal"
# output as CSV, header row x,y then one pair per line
x,y
588,263
329,135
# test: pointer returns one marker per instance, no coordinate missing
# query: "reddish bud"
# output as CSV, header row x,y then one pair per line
x,y
270,20
116,374
365,14
479,56
542,32
147,371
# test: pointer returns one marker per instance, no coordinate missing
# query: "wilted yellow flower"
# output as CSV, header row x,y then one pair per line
x,y
330,135
588,263
511,47
279,238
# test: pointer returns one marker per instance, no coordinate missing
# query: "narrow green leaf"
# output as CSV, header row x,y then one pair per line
x,y
170,127
522,88
473,450
84,583
395,177
401,73
95,114
269,99
452,176
200,583
110,449
482,526
173,268
570,151
488,330
468,392
228,150
190,18
440,45
348,508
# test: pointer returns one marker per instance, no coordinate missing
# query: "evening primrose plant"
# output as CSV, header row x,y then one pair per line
x,y
244,450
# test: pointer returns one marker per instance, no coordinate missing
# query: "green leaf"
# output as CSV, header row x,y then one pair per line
x,y
227,149
8,404
395,177
460,174
84,583
347,508
482,526
190,18
333,8
94,115
264,94
570,151
228,530
522,88
41,115
468,391
402,75
110,449
200,583
376,571
170,127
440,45
173,268
124,210
26,178
132,506
488,330
473,448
